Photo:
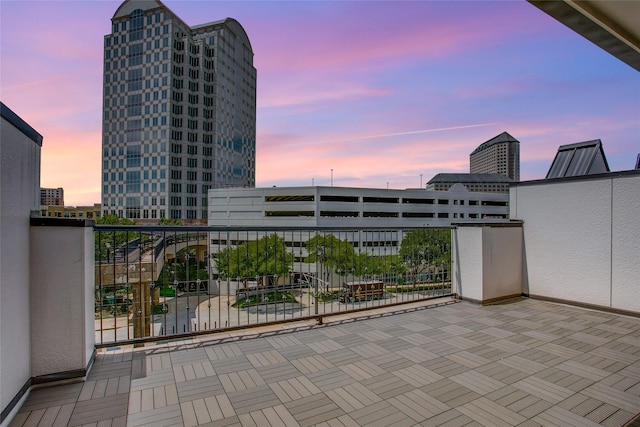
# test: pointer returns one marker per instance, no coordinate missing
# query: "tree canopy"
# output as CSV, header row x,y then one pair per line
x,y
331,252
266,256
169,221
421,250
106,242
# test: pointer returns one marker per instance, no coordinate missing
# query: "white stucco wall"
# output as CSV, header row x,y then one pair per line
x,y
467,254
20,194
502,262
487,261
625,244
62,284
581,238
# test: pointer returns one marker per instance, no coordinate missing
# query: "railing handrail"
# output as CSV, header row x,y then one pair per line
x,y
167,295
218,228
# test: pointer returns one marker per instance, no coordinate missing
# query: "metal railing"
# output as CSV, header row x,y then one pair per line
x,y
155,283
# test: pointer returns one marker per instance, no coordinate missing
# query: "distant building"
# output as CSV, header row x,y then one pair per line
x,y
52,196
500,154
83,212
179,113
348,206
583,158
474,182
344,207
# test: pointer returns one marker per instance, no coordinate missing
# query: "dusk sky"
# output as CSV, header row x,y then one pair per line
x,y
380,92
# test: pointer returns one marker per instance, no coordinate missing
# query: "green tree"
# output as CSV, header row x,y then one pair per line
x,y
426,250
109,219
107,241
266,256
331,252
377,266
170,221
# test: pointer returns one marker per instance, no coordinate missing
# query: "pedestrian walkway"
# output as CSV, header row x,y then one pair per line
x,y
524,363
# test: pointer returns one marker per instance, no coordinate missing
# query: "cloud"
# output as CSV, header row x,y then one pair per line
x,y
299,94
412,132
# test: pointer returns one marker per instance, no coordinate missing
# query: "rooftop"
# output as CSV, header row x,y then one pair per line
x,y
583,158
470,177
499,139
523,362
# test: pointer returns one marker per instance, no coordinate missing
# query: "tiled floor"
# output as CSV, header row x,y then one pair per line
x,y
521,363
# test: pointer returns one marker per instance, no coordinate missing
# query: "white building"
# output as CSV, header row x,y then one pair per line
x,y
179,113
347,206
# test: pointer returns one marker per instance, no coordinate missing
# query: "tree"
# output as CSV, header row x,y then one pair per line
x,y
169,221
109,219
426,250
107,241
266,256
332,254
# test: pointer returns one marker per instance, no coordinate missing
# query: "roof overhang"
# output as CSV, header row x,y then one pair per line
x,y
610,24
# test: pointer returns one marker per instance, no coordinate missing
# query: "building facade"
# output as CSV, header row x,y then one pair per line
x,y
52,196
476,182
500,154
82,212
179,113
345,207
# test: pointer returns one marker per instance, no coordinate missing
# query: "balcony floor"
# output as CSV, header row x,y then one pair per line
x,y
525,362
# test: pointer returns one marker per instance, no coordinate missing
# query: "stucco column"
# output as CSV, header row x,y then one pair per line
x,y
62,298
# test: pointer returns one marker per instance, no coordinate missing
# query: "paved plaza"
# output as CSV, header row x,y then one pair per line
x,y
438,363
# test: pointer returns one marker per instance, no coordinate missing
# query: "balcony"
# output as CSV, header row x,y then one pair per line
x,y
528,322
534,321
522,362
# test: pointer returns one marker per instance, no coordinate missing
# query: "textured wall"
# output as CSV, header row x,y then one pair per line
x,y
20,194
487,261
581,238
62,287
625,256
502,261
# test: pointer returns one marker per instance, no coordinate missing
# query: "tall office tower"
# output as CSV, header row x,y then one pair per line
x,y
500,154
179,113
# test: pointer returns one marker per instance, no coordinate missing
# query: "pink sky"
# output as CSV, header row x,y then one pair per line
x,y
380,92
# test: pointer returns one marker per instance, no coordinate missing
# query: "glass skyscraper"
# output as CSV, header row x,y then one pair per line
x,y
179,113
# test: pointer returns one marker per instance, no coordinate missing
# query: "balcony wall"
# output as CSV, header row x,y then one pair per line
x,y
582,238
62,298
20,188
488,261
